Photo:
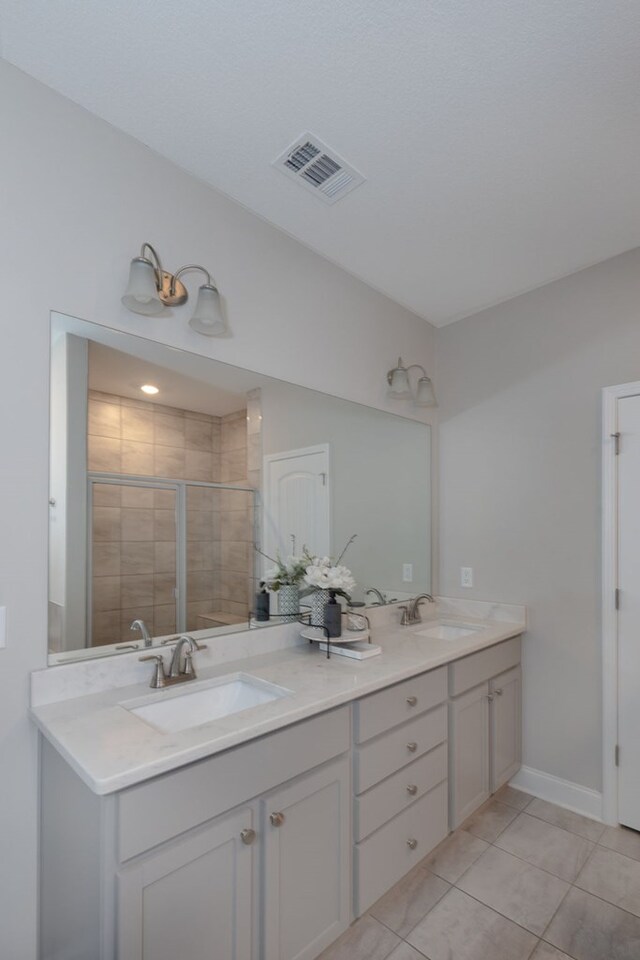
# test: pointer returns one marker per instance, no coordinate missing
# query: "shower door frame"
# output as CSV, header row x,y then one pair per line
x,y
180,489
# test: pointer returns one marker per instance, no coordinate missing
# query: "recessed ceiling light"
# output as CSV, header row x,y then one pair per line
x,y
149,388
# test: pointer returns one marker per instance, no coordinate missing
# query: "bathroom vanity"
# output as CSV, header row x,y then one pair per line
x,y
262,835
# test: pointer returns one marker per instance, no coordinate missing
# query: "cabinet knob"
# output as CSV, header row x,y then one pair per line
x,y
412,746
248,836
412,843
277,819
412,701
412,789
498,692
489,698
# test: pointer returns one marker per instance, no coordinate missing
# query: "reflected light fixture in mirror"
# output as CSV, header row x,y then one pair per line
x,y
149,389
400,385
151,289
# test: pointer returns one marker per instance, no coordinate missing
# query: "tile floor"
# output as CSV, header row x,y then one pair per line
x,y
520,879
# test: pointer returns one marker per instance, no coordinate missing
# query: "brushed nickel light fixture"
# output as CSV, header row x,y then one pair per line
x,y
151,289
400,385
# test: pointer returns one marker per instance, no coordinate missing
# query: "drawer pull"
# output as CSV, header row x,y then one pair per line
x,y
498,692
412,746
412,789
412,701
248,836
277,819
412,843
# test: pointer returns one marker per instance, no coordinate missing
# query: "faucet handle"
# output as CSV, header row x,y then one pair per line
x,y
159,678
188,670
200,646
404,620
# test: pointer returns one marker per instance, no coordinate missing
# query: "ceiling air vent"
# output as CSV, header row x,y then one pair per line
x,y
312,164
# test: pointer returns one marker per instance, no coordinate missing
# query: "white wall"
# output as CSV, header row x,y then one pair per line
x,y
76,200
520,486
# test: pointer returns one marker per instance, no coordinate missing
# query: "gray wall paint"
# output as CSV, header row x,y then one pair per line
x,y
380,481
520,485
79,199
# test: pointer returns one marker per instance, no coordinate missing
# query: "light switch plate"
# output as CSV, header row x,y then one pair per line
x,y
3,627
407,573
466,576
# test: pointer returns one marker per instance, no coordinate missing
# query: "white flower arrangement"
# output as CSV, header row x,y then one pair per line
x,y
317,573
324,575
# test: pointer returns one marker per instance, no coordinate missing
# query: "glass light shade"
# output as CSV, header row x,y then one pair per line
x,y
399,386
207,317
141,295
425,394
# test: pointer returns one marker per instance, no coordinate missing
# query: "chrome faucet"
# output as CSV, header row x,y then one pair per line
x,y
381,599
142,627
181,668
411,613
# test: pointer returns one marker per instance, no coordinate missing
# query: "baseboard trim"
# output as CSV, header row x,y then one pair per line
x,y
562,792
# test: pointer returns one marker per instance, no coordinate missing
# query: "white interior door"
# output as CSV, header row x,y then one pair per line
x,y
297,501
629,612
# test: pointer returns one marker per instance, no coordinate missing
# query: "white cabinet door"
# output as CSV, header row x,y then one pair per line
x,y
469,752
306,893
192,899
505,726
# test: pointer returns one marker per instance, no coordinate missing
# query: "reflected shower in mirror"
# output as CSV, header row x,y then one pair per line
x,y
170,471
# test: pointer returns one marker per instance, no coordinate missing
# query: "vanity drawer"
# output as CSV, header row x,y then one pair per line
x,y
390,797
384,857
155,811
380,711
470,671
379,758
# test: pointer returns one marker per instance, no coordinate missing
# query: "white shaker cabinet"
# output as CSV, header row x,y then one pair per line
x,y
484,726
193,898
306,848
469,752
190,865
506,726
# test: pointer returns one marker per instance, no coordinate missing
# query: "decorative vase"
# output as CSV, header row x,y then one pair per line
x,y
318,601
289,602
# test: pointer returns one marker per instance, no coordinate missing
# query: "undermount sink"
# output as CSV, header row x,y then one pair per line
x,y
204,701
449,631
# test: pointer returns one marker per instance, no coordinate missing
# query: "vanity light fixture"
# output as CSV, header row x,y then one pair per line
x,y
400,385
151,288
150,389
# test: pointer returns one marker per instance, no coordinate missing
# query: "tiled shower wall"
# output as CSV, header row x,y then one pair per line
x,y
134,528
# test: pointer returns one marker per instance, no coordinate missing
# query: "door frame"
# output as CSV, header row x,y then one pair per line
x,y
270,458
610,398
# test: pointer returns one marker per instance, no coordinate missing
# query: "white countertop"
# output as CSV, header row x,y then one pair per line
x,y
110,748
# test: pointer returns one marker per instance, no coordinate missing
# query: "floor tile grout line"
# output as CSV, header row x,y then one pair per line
x,y
555,913
608,902
529,863
548,942
503,915
573,832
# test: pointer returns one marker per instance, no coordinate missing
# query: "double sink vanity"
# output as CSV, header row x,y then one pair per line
x,y
254,812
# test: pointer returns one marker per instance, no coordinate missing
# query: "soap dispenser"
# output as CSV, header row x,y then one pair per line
x,y
262,603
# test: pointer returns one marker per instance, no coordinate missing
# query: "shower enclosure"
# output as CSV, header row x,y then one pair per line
x,y
177,554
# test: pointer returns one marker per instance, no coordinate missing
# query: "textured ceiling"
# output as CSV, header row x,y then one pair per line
x,y
500,139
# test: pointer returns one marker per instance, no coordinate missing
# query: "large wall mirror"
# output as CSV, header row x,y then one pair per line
x,y
171,471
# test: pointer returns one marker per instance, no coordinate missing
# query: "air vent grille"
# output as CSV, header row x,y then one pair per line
x,y
318,168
